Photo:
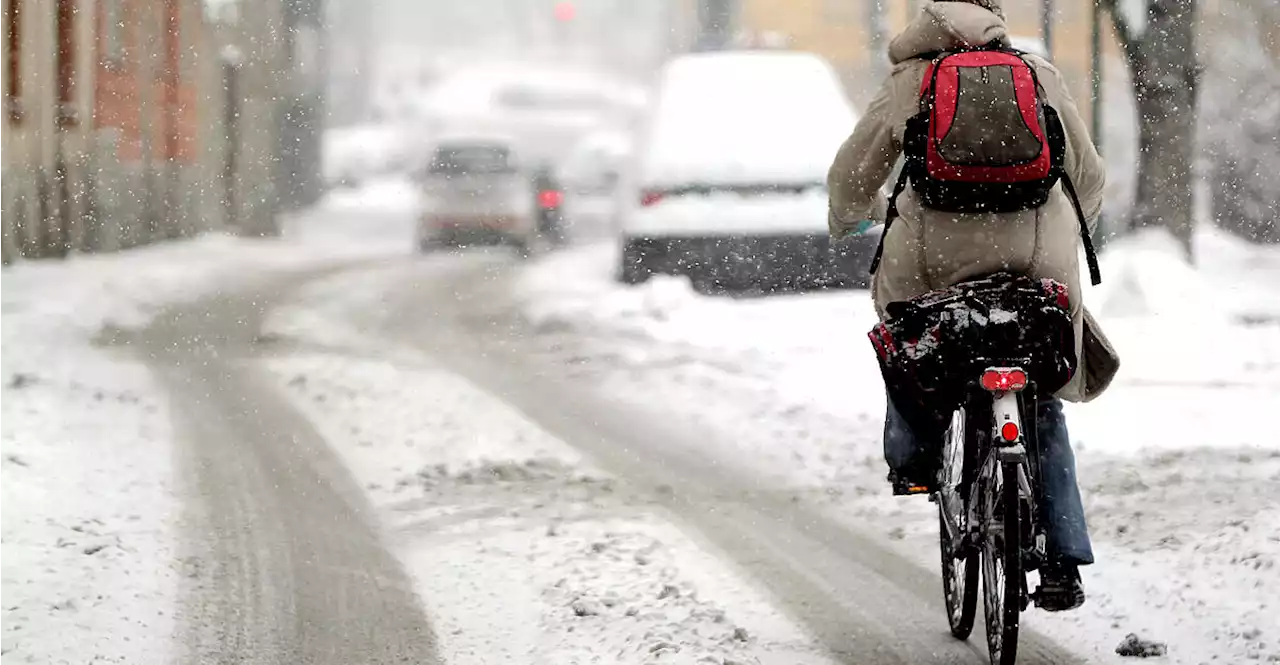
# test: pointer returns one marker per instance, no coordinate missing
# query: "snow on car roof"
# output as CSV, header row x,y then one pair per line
x,y
757,116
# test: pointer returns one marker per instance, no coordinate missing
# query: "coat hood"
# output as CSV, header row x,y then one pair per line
x,y
947,25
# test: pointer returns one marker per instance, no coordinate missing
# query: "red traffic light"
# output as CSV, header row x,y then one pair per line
x,y
565,11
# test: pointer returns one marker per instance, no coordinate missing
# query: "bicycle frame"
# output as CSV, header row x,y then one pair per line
x,y
984,459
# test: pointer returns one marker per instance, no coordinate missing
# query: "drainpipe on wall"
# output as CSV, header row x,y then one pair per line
x,y
145,74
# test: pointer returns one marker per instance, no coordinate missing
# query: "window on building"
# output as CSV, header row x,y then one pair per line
x,y
66,60
13,60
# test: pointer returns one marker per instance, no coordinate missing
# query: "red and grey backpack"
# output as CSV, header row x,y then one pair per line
x,y
984,140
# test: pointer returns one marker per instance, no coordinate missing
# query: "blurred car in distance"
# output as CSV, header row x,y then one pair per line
x,y
592,175
476,193
728,183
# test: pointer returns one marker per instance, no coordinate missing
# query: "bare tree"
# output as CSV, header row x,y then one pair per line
x,y
1158,37
1240,123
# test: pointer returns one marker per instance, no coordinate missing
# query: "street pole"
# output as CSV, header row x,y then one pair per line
x,y
231,126
1046,26
1095,56
1095,110
876,42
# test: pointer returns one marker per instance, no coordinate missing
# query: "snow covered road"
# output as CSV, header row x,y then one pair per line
x,y
346,453
860,601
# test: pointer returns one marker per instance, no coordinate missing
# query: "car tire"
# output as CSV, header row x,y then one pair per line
x,y
521,247
633,265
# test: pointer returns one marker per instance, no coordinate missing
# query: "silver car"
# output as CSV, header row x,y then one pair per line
x,y
476,193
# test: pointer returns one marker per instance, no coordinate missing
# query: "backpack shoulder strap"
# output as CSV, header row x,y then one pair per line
x,y
890,215
1091,256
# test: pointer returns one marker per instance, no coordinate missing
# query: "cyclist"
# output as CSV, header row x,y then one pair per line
x,y
928,249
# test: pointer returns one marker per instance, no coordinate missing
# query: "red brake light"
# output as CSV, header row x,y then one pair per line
x,y
1004,380
650,197
1009,432
550,198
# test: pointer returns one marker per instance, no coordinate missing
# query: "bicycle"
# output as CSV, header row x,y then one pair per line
x,y
987,506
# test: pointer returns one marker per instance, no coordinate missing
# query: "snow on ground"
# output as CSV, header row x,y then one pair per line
x,y
522,550
89,506
1179,489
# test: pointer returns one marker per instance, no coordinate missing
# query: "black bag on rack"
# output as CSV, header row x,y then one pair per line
x,y
934,347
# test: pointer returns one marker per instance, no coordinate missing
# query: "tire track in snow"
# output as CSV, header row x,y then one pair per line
x,y
287,566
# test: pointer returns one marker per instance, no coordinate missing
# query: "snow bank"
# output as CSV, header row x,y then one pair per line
x,y
1146,275
1206,339
90,506
90,510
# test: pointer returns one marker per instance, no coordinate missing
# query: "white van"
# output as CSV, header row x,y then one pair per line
x,y
728,184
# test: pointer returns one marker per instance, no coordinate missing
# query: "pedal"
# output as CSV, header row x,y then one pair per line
x,y
1057,599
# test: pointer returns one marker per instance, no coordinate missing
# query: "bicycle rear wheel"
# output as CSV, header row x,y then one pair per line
x,y
959,575
1002,575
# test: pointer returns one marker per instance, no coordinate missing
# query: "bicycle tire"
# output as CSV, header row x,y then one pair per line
x,y
1003,605
959,576
959,584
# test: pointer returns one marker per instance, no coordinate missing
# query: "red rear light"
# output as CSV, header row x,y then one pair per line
x,y
1009,432
650,197
550,198
1004,380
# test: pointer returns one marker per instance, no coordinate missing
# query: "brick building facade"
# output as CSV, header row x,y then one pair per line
x,y
116,126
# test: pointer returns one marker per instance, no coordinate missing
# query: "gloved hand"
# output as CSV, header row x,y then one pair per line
x,y
858,228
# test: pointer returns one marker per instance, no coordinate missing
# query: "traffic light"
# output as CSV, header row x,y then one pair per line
x,y
565,11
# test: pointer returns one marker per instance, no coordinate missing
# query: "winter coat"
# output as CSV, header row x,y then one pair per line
x,y
929,249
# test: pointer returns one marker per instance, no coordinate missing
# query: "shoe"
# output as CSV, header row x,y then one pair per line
x,y
1060,589
902,486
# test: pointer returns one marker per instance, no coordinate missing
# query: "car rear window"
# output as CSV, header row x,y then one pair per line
x,y
462,160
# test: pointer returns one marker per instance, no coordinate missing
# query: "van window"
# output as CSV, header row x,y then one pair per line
x,y
464,160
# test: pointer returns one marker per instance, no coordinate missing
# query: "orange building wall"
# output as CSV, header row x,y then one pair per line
x,y
118,99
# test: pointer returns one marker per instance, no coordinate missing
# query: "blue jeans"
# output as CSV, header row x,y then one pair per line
x,y
1067,534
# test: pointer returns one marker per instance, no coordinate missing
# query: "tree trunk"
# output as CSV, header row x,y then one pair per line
x,y
715,24
1163,67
